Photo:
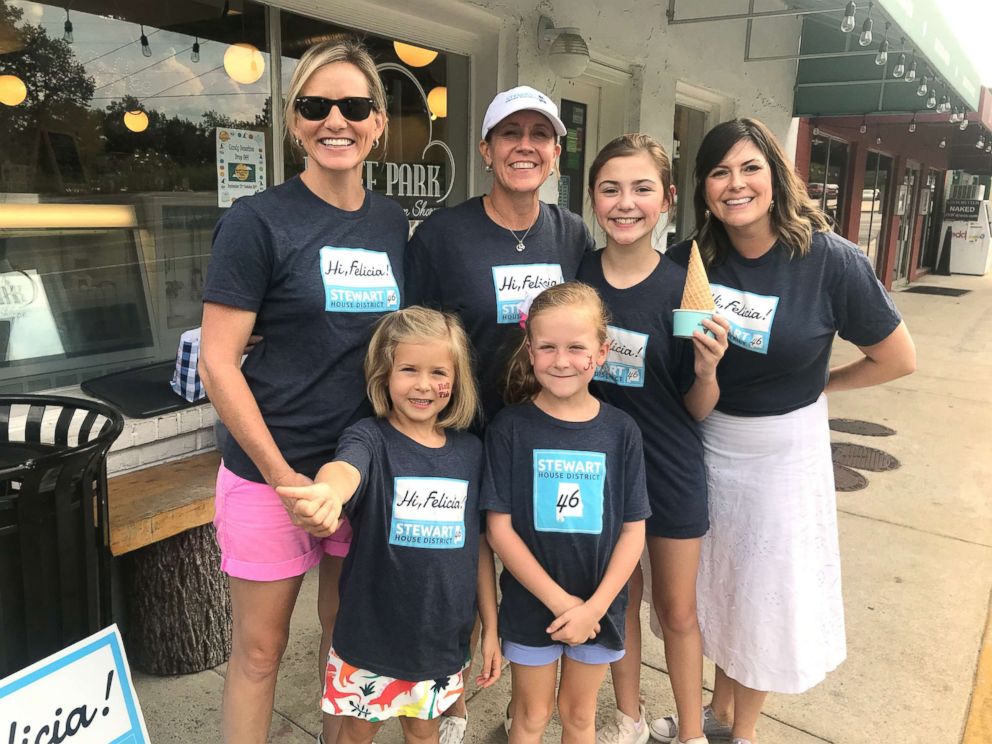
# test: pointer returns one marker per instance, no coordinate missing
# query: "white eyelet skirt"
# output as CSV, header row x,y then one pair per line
x,y
769,591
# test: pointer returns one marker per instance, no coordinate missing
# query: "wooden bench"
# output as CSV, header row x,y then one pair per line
x,y
179,608
161,501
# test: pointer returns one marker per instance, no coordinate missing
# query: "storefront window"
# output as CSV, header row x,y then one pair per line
x,y
117,164
874,196
827,175
108,176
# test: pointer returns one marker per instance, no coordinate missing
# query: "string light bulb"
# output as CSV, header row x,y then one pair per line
x,y
864,125
912,125
964,124
932,99
195,54
866,27
146,50
911,72
67,29
882,57
943,143
900,69
923,88
981,141
847,22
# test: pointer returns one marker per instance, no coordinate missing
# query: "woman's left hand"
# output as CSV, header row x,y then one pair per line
x,y
709,351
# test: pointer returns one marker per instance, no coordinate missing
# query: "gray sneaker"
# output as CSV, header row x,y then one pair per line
x,y
452,730
666,730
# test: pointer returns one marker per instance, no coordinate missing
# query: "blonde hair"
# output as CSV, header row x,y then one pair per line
x,y
794,216
338,48
415,325
521,383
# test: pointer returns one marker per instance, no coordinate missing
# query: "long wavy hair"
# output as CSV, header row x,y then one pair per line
x,y
521,383
795,217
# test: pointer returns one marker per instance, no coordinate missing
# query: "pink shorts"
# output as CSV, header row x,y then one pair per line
x,y
257,539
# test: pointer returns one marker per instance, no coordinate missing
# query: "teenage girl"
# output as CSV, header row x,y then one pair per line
x,y
666,384
564,488
408,481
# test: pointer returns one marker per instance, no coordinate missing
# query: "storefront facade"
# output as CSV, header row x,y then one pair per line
x,y
117,160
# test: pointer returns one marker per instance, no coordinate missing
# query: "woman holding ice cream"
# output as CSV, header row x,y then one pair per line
x,y
770,605
769,593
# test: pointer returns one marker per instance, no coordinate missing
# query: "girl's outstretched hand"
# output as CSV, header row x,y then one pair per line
x,y
709,351
492,660
316,508
576,625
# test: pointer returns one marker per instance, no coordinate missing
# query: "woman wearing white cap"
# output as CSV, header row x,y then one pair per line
x,y
489,255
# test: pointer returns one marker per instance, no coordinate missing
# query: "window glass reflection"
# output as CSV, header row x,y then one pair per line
x,y
126,116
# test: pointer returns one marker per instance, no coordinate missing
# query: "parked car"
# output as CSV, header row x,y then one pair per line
x,y
815,190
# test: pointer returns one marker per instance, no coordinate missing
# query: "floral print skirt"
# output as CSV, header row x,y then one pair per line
x,y
350,691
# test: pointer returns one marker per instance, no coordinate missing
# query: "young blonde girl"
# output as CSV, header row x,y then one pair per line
x,y
666,384
564,488
408,480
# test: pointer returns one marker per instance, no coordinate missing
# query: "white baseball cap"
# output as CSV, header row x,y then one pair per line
x,y
521,98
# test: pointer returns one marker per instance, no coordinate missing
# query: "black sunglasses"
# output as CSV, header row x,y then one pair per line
x,y
317,108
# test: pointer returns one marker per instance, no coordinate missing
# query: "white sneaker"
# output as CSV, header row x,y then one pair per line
x,y
624,730
666,730
452,729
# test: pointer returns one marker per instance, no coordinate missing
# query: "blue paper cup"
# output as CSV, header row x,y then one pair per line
x,y
687,321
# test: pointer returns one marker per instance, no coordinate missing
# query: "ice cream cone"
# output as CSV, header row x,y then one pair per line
x,y
697,295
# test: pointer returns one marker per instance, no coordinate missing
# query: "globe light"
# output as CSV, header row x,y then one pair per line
x,y
437,102
413,55
13,91
136,121
244,63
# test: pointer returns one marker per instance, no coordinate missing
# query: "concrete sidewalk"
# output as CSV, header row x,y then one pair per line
x,y
917,551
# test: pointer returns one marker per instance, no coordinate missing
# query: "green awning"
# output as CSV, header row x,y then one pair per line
x,y
838,77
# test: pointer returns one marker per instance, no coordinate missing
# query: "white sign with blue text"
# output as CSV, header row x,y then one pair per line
x,y
750,316
81,695
428,512
568,491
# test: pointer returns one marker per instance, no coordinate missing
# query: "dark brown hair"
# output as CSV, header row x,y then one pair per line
x,y
794,216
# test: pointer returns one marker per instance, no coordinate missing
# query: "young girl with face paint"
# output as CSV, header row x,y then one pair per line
x,y
408,481
564,490
666,384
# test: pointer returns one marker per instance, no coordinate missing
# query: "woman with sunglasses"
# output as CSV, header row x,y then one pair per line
x,y
488,256
310,265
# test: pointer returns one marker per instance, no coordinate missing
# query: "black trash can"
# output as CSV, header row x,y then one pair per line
x,y
54,546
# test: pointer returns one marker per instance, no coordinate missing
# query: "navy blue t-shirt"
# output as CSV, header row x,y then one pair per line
x,y
408,586
460,261
318,278
647,373
783,315
568,487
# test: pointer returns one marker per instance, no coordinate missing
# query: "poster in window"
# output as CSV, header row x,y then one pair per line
x,y
240,164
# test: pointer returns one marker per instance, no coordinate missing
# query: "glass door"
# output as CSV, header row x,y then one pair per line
x,y
874,200
907,200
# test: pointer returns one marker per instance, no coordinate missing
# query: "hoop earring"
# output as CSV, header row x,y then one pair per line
x,y
489,168
375,143
297,141
706,214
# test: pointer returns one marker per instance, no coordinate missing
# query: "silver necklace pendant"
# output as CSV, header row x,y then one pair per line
x,y
520,246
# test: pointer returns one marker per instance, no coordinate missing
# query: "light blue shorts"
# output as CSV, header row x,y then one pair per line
x,y
586,653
